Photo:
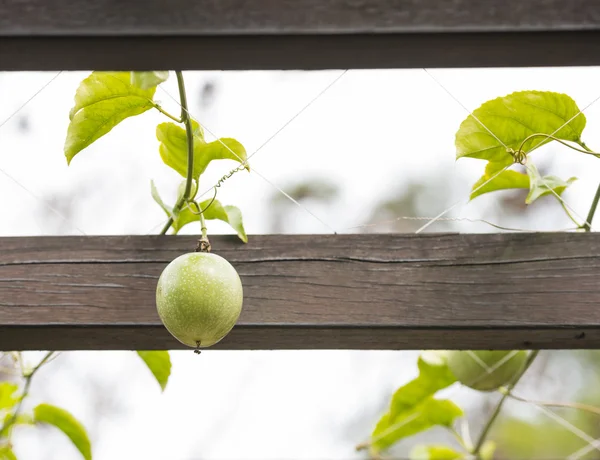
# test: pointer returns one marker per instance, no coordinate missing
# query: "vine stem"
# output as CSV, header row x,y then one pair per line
x,y
164,112
587,225
496,412
185,118
578,406
203,225
28,379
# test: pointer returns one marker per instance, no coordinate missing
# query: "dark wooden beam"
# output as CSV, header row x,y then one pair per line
x,y
296,34
500,291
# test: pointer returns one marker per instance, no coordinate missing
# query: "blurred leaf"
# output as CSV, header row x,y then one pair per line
x,y
65,422
102,101
430,413
6,453
318,189
435,452
502,181
514,117
228,214
21,419
173,149
541,186
413,408
487,450
147,80
158,199
8,397
434,375
159,363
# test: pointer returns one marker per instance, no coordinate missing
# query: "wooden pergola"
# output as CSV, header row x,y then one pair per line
x,y
451,291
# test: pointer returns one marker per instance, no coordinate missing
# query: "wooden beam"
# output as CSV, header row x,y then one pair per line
x,y
384,291
296,34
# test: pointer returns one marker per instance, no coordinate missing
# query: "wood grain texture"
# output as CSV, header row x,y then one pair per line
x,y
313,292
296,34
243,17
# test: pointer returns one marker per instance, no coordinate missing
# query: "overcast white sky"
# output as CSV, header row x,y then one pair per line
x,y
372,131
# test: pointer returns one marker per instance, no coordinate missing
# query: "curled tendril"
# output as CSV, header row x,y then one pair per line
x,y
518,156
199,211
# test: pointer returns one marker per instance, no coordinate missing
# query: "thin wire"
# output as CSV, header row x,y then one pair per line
x,y
245,162
592,443
565,423
464,107
488,370
30,99
11,116
461,201
327,88
55,211
585,450
561,200
459,219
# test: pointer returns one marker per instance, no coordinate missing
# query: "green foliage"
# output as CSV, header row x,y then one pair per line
x,y
512,119
413,408
155,195
212,209
435,452
159,363
147,80
8,396
228,214
487,450
65,422
434,375
423,416
541,186
520,121
173,149
102,101
501,181
6,453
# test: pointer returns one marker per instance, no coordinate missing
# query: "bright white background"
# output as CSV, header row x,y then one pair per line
x,y
371,133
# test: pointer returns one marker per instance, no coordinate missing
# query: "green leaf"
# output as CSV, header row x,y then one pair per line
x,y
158,199
159,363
65,422
147,80
487,450
173,149
434,375
432,412
501,180
102,101
216,211
8,397
514,117
540,186
413,408
435,452
6,453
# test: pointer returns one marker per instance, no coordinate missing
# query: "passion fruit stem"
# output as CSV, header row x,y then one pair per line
x,y
185,118
505,395
203,243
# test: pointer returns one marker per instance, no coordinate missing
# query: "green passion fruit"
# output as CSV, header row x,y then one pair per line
x,y
485,370
199,298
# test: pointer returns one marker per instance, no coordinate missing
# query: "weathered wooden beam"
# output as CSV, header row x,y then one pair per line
x,y
296,34
371,291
